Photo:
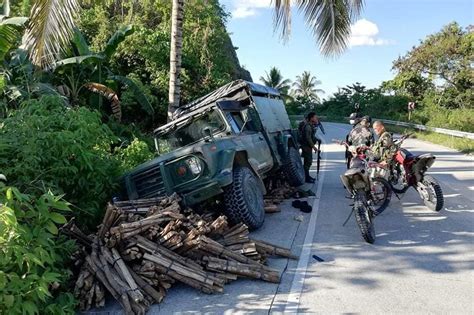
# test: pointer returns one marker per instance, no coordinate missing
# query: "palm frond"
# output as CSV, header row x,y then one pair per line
x,y
49,30
282,17
329,21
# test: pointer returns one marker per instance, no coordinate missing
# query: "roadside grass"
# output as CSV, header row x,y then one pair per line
x,y
463,145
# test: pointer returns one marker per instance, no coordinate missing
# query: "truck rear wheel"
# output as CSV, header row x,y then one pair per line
x,y
293,168
244,199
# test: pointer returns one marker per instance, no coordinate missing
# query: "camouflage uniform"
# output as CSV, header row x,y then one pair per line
x,y
308,143
382,149
360,136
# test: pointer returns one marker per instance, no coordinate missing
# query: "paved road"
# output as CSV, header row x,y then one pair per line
x,y
421,262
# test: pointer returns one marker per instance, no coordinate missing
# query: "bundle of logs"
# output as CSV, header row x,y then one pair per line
x,y
278,190
144,246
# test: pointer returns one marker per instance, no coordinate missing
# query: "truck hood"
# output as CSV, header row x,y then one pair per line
x,y
170,156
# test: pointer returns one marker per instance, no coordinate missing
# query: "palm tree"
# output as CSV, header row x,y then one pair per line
x,y
49,29
329,20
305,87
275,80
175,56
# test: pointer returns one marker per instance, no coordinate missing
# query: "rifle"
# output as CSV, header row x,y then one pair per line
x,y
319,159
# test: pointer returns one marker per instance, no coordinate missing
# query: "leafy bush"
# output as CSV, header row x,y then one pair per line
x,y
133,155
32,257
47,146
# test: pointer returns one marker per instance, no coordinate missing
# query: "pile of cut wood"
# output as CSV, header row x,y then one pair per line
x,y
144,246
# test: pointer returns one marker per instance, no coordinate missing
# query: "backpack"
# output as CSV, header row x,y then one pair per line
x,y
300,134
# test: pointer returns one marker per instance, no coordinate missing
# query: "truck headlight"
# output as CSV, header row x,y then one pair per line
x,y
194,165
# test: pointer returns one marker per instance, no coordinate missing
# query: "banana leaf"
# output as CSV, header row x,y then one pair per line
x,y
116,39
77,60
80,43
10,34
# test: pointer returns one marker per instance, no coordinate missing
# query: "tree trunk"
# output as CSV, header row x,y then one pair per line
x,y
175,55
6,8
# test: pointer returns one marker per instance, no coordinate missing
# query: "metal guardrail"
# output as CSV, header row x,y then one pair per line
x,y
454,133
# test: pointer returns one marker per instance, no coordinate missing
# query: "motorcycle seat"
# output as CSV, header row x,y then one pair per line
x,y
407,155
356,162
354,170
425,156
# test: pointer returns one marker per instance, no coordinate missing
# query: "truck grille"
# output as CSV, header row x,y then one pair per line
x,y
149,183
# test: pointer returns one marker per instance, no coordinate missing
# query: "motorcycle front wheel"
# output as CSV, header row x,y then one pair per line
x,y
364,217
431,193
380,193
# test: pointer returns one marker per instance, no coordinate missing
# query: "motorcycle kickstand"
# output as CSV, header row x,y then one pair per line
x,y
350,214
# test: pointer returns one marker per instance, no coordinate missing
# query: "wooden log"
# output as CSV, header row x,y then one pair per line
x,y
126,230
125,273
108,220
94,266
270,249
181,269
157,297
272,209
219,250
115,280
154,248
251,271
180,274
70,229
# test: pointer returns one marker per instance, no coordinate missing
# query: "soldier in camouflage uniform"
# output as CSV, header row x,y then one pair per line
x,y
361,135
382,149
309,143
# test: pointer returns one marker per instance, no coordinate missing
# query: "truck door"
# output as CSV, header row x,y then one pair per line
x,y
248,132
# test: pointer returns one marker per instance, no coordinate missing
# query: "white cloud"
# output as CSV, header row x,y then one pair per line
x,y
364,33
246,8
243,12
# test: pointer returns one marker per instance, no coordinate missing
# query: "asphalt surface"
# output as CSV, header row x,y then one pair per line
x,y
421,262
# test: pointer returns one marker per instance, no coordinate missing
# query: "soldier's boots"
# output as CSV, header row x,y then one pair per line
x,y
308,179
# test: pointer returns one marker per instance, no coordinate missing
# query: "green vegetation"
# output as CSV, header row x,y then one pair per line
x,y
70,127
33,269
463,145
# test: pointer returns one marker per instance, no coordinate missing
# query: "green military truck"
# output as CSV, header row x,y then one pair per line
x,y
222,145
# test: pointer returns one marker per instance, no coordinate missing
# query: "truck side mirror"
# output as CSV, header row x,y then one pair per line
x,y
207,132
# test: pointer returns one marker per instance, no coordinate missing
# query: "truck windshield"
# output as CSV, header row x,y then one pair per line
x,y
191,132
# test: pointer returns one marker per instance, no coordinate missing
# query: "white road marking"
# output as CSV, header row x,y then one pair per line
x,y
294,295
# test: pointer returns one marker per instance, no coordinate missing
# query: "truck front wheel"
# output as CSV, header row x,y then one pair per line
x,y
244,199
293,168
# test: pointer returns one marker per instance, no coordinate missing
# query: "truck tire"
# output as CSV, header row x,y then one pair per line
x,y
244,199
293,168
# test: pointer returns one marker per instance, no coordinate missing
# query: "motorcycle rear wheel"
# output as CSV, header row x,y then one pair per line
x,y
435,199
364,217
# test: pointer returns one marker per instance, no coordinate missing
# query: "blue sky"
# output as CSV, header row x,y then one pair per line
x,y
386,29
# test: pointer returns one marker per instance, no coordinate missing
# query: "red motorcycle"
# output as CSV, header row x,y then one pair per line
x,y
408,170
